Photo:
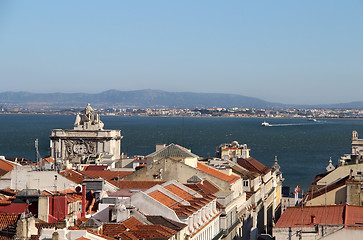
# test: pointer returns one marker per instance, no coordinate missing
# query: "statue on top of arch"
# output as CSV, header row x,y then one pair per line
x,y
88,120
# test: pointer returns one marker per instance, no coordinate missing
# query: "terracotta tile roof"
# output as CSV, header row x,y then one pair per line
x,y
74,198
178,191
83,238
228,178
131,223
295,216
73,176
354,216
149,232
6,166
14,208
95,168
9,192
204,187
164,199
157,227
125,235
49,159
113,229
136,184
8,223
253,165
106,174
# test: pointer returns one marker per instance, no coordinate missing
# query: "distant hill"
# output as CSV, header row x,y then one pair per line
x,y
138,99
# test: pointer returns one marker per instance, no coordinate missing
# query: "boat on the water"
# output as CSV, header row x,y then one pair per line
x,y
312,119
265,124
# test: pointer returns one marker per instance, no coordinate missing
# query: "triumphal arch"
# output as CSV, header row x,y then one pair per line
x,y
87,142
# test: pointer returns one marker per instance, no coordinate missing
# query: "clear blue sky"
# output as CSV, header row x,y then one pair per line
x,y
303,52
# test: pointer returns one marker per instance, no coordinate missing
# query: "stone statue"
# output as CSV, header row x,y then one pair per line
x,y
88,120
354,135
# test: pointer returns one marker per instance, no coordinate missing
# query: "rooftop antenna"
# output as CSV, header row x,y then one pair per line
x,y
37,155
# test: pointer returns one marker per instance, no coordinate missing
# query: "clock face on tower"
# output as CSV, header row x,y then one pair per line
x,y
80,148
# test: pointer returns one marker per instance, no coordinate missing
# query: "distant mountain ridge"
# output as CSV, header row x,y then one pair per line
x,y
139,99
148,99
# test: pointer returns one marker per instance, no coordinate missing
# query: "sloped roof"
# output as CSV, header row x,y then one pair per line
x,y
172,151
73,176
136,184
318,190
15,208
110,176
164,199
166,222
253,165
148,232
296,216
125,235
8,225
95,168
6,166
113,229
214,172
354,216
348,216
178,191
189,201
131,223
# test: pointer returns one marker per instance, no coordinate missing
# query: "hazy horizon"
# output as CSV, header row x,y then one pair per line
x,y
305,53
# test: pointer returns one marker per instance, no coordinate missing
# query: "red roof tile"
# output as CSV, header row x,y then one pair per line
x,y
16,208
136,184
74,198
178,191
105,174
125,235
95,168
131,223
253,165
164,199
113,229
83,238
73,176
297,216
7,220
354,216
229,178
204,187
6,166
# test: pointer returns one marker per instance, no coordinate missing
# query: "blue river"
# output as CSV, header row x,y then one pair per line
x,y
303,147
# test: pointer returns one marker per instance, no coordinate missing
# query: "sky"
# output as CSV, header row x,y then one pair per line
x,y
292,52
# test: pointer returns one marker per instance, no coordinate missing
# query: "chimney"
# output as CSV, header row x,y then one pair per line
x,y
313,219
159,146
83,213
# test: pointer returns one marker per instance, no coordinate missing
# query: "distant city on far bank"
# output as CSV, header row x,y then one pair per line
x,y
162,103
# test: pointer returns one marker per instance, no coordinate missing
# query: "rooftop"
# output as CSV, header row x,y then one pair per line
x,y
211,171
172,151
253,165
335,214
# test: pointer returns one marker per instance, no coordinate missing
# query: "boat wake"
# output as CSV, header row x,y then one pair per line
x,y
290,124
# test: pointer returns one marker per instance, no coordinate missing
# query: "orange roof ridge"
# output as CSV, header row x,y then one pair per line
x,y
214,172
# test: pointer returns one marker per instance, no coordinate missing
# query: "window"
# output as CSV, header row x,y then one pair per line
x,y
245,183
